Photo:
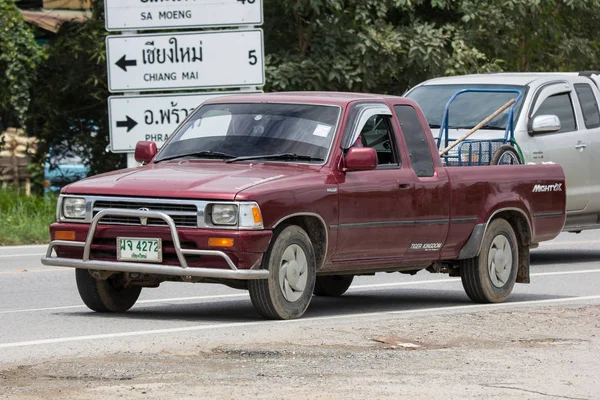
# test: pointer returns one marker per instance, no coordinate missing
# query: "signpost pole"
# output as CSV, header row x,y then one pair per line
x,y
131,163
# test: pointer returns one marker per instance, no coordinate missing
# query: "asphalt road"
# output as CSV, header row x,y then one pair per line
x,y
42,316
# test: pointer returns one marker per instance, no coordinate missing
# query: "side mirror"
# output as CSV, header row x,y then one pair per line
x,y
360,159
545,124
145,151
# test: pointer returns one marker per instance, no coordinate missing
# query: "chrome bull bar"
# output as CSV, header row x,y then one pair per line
x,y
148,268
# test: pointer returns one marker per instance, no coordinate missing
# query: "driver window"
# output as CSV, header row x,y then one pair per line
x,y
561,106
377,133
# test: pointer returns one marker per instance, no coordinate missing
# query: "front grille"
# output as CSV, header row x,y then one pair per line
x,y
184,215
129,205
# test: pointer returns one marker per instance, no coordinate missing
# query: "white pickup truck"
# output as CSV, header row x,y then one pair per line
x,y
556,119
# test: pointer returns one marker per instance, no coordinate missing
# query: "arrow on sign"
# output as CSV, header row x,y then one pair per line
x,y
129,124
123,63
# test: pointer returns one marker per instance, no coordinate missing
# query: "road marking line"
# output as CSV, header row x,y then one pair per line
x,y
568,243
245,295
220,296
228,296
27,246
21,255
26,271
196,328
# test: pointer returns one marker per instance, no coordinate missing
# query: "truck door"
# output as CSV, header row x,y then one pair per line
x,y
375,207
588,95
569,146
431,201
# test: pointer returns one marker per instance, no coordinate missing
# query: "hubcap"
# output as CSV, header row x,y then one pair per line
x,y
500,261
293,273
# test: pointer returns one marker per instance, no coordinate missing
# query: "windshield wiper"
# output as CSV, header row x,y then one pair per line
x,y
201,154
282,156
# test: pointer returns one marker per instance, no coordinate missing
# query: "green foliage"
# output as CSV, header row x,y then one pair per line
x,y
389,45
381,46
69,99
365,45
25,219
18,57
535,35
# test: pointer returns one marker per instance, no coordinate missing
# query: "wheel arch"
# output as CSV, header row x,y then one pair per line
x,y
315,227
518,220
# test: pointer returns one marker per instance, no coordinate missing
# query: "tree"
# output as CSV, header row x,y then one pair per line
x,y
535,35
383,46
19,55
365,45
389,45
69,99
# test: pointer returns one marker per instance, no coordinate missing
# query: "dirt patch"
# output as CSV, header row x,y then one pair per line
x,y
544,354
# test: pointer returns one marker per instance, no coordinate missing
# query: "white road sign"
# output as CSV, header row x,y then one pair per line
x,y
211,59
148,14
150,117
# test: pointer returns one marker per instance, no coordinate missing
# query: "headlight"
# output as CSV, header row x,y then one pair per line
x,y
224,214
74,207
243,215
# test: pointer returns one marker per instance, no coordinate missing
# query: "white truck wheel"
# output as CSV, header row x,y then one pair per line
x,y
490,277
288,291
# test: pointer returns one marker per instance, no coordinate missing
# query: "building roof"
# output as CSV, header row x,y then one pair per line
x,y
51,20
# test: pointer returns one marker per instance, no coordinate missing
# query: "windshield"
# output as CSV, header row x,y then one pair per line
x,y
234,130
468,109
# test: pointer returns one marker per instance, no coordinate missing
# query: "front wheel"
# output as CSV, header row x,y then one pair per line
x,y
490,277
106,295
287,292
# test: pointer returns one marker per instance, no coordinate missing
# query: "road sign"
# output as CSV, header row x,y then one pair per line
x,y
145,15
150,117
233,58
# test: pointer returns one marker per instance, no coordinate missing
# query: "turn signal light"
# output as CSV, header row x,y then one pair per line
x,y
256,215
220,242
64,235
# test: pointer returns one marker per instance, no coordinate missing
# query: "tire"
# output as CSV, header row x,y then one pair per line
x,y
290,260
490,277
105,295
332,285
505,155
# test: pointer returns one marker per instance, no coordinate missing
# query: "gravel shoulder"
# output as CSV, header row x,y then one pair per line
x,y
542,353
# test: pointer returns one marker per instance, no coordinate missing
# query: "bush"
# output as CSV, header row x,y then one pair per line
x,y
25,219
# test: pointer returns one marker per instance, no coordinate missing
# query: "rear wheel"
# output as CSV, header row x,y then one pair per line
x,y
106,295
287,292
332,285
490,277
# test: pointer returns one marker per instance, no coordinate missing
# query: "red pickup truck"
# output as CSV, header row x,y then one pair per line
x,y
293,194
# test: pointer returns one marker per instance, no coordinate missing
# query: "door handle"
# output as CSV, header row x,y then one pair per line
x,y
580,146
403,185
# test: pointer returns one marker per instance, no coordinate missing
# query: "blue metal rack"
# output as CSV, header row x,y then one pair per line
x,y
477,151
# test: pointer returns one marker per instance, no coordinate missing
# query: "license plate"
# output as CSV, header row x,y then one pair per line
x,y
139,249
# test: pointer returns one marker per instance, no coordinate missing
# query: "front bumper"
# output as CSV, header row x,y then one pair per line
x,y
182,269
